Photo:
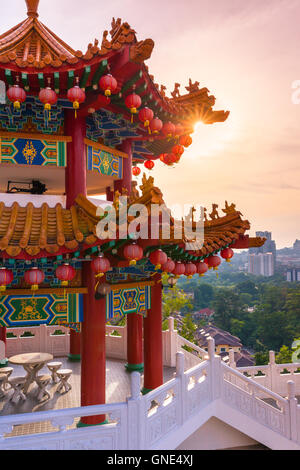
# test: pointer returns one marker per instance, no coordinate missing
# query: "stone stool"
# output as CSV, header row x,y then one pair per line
x,y
17,384
6,371
2,385
43,381
53,367
64,375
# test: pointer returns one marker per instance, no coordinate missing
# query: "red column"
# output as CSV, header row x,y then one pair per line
x,y
92,349
134,342
75,176
75,183
153,347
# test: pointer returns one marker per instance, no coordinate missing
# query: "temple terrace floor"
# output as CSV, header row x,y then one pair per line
x,y
117,390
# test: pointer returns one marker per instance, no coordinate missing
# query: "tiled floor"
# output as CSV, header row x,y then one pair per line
x,y
117,390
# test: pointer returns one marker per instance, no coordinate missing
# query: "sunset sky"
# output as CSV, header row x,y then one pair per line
x,y
247,54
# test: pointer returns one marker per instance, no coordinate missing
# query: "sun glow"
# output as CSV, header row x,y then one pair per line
x,y
210,139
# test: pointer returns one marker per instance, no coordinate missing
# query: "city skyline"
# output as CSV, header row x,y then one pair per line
x,y
246,55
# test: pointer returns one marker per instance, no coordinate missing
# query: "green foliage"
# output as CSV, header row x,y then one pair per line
x,y
187,329
261,358
174,301
284,356
263,312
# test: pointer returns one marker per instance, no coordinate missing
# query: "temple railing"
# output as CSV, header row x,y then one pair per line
x,y
166,416
51,339
272,376
56,340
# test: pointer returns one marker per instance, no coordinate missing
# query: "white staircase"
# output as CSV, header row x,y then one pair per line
x,y
169,415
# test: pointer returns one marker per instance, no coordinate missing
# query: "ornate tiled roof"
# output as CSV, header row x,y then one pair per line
x,y
33,230
32,44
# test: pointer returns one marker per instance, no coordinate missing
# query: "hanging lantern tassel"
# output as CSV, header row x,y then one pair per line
x,y
34,288
97,277
47,109
133,111
75,106
100,265
147,124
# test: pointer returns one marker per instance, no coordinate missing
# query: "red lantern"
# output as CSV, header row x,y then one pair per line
x,y
176,158
169,159
178,150
108,84
34,277
168,130
133,253
76,95
149,164
202,268
158,258
48,97
179,269
213,261
227,254
190,269
178,130
133,102
185,140
162,157
17,95
136,171
100,265
155,125
145,116
169,266
65,273
6,278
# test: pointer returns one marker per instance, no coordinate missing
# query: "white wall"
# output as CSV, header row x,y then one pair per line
x,y
215,434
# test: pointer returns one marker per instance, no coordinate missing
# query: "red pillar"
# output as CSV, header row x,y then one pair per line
x,y
134,342
92,349
75,183
153,346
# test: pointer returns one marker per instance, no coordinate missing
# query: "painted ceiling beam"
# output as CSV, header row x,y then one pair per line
x,y
56,82
8,76
85,77
70,81
41,80
25,81
98,74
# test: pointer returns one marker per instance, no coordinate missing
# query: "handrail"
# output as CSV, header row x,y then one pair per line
x,y
254,384
192,345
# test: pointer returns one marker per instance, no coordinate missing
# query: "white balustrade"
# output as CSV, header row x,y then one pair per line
x,y
149,421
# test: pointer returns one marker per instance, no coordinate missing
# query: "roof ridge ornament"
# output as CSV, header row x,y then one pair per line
x,y
32,8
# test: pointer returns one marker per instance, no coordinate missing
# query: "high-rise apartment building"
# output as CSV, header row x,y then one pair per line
x,y
265,264
261,264
293,275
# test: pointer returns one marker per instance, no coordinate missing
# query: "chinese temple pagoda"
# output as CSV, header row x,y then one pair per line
x,y
78,124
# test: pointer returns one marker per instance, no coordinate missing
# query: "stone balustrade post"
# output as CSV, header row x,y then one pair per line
x,y
293,403
179,364
215,369
180,399
136,417
231,359
272,370
172,342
